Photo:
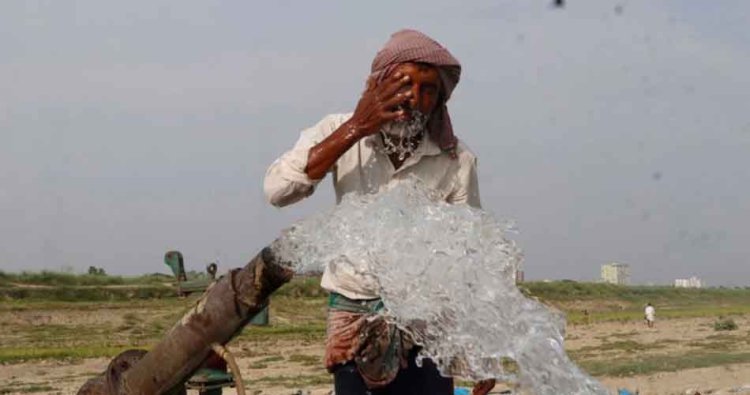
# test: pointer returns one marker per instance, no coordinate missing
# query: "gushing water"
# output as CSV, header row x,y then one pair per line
x,y
399,136
446,274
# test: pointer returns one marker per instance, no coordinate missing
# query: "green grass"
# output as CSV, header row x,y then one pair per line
x,y
721,342
139,325
20,354
298,312
28,389
725,324
628,346
652,364
306,360
20,305
624,334
618,303
270,359
621,303
635,313
307,331
571,291
70,287
302,287
610,347
67,287
263,362
100,293
293,382
51,278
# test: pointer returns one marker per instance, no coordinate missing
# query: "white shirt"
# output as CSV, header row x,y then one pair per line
x,y
365,168
650,312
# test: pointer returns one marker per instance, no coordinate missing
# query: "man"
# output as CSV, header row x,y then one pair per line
x,y
399,130
650,315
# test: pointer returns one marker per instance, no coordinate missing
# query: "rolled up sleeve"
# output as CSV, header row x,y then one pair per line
x,y
467,183
286,181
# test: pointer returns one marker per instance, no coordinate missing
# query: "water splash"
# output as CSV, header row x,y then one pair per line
x,y
446,274
402,137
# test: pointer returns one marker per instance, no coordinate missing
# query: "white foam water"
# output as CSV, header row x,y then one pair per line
x,y
446,275
399,136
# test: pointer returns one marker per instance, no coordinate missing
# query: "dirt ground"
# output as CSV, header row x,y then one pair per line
x,y
720,380
723,380
287,364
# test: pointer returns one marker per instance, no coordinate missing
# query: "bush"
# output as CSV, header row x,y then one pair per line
x,y
726,324
87,294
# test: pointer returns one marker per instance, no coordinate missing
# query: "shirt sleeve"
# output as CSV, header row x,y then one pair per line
x,y
285,181
467,185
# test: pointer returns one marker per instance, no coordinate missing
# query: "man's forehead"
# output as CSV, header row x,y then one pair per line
x,y
421,70
421,66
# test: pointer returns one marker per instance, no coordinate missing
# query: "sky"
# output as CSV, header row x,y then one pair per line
x,y
610,131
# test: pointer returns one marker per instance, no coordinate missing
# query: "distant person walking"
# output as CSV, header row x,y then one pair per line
x,y
650,314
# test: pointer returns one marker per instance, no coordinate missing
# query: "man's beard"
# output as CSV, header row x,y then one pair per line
x,y
403,137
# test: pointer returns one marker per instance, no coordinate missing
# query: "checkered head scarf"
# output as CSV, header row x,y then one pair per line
x,y
413,46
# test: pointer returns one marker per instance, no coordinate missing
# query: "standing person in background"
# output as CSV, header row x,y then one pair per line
x,y
650,315
399,130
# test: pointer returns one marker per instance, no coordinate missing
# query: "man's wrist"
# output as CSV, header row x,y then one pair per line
x,y
354,131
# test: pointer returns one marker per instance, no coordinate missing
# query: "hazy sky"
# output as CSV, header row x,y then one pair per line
x,y
610,131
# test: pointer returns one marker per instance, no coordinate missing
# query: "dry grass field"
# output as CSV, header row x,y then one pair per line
x,y
51,344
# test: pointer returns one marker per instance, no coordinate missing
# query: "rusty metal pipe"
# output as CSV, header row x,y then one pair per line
x,y
220,314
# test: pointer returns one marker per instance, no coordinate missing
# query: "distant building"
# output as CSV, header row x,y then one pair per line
x,y
692,282
616,273
519,276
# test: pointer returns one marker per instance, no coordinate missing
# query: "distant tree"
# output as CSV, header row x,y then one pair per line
x,y
96,271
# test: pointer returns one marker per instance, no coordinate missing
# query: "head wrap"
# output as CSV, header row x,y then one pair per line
x,y
413,46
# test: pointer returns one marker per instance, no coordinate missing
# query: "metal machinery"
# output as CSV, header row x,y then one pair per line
x,y
227,306
174,260
186,286
213,375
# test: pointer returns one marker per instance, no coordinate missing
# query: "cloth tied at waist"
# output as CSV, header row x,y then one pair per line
x,y
358,331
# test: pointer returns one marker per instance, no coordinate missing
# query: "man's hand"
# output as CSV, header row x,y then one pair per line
x,y
380,103
483,387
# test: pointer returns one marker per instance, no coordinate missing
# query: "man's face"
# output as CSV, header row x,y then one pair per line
x,y
424,84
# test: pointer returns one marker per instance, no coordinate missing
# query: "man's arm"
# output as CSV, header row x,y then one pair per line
x,y
324,155
285,180
377,106
467,182
293,176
